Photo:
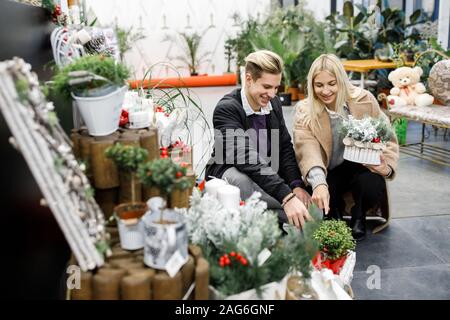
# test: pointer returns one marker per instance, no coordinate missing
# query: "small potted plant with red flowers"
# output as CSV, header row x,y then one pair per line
x,y
335,243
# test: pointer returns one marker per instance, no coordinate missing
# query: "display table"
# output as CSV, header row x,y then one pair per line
x,y
435,115
365,66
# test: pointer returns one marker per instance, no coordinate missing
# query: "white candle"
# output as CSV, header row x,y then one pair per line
x,y
213,185
229,196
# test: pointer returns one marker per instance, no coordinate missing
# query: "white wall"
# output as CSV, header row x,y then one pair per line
x,y
149,15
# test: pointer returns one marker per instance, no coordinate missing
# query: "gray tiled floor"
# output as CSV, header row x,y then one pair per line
x,y
413,253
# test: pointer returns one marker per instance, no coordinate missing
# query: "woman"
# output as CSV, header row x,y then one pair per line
x,y
319,148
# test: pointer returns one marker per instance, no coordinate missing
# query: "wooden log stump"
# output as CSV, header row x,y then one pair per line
x,y
85,290
202,279
196,252
149,141
188,274
104,170
136,287
167,288
107,199
106,284
85,153
75,138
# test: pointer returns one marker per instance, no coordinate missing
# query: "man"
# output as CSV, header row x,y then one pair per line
x,y
253,148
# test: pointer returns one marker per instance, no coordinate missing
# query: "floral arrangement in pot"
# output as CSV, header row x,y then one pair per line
x,y
247,254
166,242
365,139
97,84
129,214
335,241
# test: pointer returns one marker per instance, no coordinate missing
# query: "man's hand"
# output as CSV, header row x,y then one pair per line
x,y
321,197
303,195
296,212
382,169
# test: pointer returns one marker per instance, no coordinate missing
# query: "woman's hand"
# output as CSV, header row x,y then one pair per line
x,y
382,169
303,195
321,197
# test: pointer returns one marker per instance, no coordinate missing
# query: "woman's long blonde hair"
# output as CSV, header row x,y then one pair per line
x,y
331,64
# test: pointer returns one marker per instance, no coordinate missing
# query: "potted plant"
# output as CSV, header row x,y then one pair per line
x,y
97,84
129,214
365,139
335,241
189,43
165,229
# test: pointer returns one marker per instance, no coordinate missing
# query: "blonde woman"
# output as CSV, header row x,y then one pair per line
x,y
319,148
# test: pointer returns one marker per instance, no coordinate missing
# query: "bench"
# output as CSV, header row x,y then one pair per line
x,y
436,115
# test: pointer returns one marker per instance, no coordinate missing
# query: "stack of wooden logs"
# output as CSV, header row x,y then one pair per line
x,y
112,186
125,277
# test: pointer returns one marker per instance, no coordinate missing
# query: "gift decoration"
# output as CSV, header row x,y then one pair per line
x,y
365,139
244,247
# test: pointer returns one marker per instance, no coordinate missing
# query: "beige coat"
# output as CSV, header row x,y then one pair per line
x,y
313,147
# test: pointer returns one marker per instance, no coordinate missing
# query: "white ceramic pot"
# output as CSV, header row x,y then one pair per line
x,y
362,155
130,225
101,114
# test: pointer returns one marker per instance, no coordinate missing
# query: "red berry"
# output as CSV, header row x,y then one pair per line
x,y
179,174
164,156
238,256
244,261
227,261
164,152
242,203
232,253
221,264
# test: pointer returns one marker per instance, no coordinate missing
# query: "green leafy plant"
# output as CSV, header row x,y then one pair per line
x,y
98,72
334,238
127,158
164,174
172,99
190,44
126,38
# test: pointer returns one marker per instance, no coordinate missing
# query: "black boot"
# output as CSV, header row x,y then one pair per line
x,y
358,224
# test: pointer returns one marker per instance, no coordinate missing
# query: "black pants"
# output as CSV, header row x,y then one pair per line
x,y
366,187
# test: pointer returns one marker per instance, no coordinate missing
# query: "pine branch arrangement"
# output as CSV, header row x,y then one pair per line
x,y
367,129
232,242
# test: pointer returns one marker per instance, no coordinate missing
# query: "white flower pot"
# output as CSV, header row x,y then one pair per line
x,y
362,155
130,225
162,241
101,114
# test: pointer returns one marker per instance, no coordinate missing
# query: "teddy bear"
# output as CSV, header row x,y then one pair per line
x,y
408,90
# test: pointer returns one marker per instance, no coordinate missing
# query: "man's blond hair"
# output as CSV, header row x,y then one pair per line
x,y
263,61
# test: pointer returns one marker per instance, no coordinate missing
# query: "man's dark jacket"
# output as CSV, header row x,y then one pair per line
x,y
230,114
